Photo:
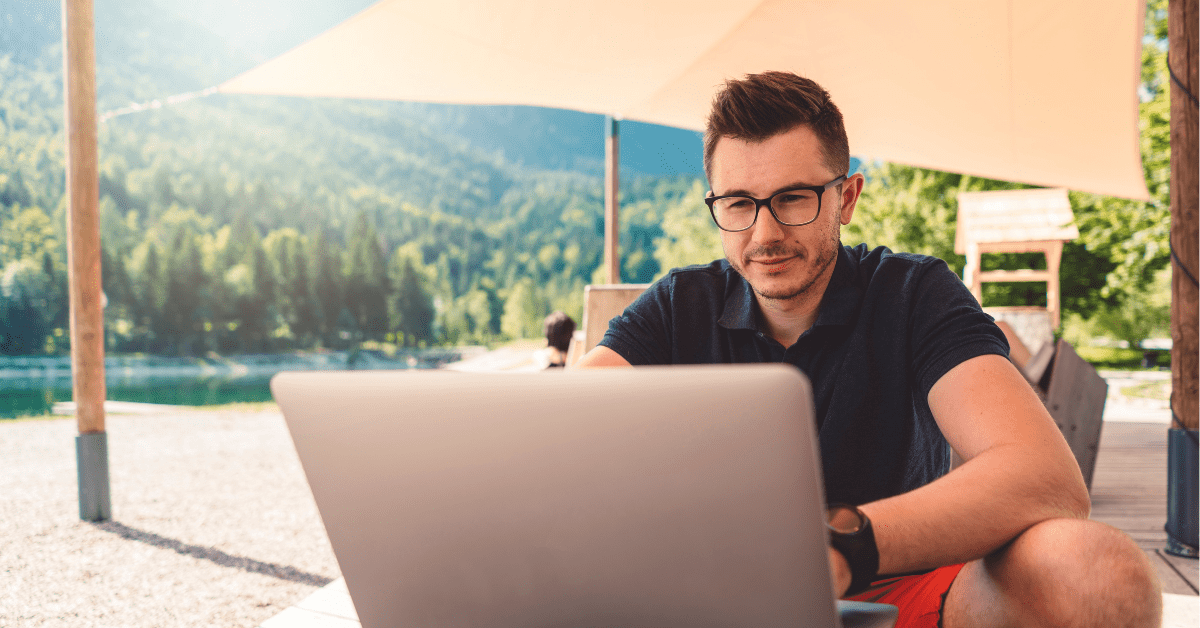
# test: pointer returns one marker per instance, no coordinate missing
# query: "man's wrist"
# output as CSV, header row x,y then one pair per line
x,y
852,536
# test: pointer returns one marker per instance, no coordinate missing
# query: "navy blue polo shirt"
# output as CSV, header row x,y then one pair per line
x,y
889,326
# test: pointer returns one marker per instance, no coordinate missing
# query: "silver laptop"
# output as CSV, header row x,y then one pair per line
x,y
663,496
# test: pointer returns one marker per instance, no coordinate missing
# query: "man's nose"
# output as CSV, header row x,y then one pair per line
x,y
766,228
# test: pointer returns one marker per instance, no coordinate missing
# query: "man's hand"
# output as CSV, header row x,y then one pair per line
x,y
600,356
840,569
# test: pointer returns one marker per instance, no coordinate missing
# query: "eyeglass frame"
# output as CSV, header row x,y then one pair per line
x,y
819,190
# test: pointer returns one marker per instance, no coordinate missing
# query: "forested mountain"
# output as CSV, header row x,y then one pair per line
x,y
247,223
238,223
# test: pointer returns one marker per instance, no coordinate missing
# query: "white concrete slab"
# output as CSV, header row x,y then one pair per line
x,y
1180,611
331,599
1132,412
327,607
1132,409
298,618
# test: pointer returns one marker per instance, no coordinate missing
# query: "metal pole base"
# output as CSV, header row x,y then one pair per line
x,y
91,457
1179,549
1182,477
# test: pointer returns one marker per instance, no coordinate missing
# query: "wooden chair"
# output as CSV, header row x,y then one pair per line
x,y
1075,398
1015,221
600,304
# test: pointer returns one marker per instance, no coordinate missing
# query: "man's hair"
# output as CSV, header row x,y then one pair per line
x,y
764,105
558,328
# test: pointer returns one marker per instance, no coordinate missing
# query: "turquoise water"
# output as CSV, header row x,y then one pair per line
x,y
16,402
32,385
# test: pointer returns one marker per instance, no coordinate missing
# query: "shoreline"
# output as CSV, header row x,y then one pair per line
x,y
17,372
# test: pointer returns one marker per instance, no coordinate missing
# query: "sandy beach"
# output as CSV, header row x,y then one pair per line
x,y
213,524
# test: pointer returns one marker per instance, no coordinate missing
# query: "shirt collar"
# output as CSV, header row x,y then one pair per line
x,y
839,305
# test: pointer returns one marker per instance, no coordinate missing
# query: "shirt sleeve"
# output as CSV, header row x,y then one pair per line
x,y
642,333
949,326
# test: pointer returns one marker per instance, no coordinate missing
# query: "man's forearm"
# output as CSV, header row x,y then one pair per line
x,y
976,509
1018,472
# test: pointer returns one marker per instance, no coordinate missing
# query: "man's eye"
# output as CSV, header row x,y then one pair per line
x,y
740,204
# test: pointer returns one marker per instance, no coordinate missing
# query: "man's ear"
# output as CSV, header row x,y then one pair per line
x,y
851,189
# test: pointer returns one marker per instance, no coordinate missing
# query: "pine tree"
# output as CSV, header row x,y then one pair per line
x,y
56,301
523,311
23,326
257,309
411,306
304,305
118,291
327,288
185,305
367,285
152,295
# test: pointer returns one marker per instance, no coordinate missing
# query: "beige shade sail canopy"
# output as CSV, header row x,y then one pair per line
x,y
1020,90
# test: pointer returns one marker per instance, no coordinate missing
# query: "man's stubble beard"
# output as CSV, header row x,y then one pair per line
x,y
825,256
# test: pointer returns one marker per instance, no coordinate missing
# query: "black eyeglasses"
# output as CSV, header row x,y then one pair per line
x,y
792,208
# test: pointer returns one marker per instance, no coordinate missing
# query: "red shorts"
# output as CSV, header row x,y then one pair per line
x,y
919,598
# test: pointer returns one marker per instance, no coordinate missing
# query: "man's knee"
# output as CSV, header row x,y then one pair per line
x,y
1073,572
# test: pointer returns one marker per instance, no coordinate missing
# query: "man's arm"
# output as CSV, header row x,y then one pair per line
x,y
599,357
1018,471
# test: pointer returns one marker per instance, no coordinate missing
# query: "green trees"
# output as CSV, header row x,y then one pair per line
x,y
185,307
149,298
263,224
689,235
367,282
410,306
294,299
24,324
33,281
523,311
253,289
327,289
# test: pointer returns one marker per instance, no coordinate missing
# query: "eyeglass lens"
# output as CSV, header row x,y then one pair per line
x,y
793,207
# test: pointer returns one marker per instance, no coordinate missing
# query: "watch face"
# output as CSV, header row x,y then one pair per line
x,y
844,519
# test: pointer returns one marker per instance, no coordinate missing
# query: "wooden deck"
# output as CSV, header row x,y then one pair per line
x,y
1129,491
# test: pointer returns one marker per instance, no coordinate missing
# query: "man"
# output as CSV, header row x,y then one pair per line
x,y
902,362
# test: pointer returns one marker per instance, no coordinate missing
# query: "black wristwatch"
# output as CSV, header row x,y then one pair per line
x,y
851,535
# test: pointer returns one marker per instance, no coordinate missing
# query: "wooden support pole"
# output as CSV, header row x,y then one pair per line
x,y
1185,189
1182,479
83,257
612,199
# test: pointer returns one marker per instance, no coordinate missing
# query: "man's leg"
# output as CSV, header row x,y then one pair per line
x,y
1063,573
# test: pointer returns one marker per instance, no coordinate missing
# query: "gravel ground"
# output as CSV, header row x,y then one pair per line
x,y
213,524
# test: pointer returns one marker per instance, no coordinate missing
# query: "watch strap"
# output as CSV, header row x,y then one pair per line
x,y
860,552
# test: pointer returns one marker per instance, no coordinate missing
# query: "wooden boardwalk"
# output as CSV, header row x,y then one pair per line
x,y
1129,491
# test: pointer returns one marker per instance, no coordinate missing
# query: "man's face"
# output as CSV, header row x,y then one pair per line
x,y
783,263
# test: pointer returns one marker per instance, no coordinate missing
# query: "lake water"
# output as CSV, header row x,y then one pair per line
x,y
181,392
31,386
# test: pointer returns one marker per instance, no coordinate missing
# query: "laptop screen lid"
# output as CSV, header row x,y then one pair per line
x,y
655,496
